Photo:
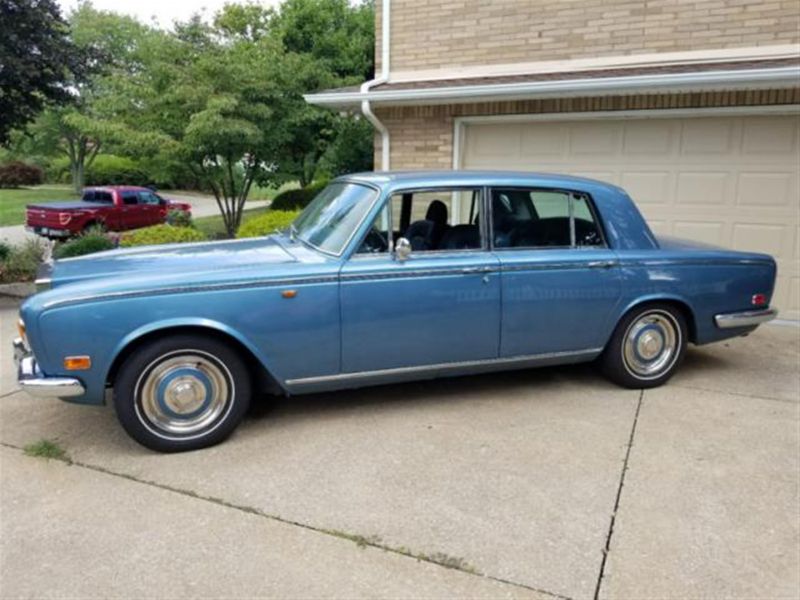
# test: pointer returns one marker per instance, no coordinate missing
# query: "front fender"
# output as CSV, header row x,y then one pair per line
x,y
194,322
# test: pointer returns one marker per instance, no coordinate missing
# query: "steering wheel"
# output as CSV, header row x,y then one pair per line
x,y
375,242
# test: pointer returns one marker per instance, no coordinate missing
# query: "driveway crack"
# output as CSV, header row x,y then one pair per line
x,y
437,559
610,533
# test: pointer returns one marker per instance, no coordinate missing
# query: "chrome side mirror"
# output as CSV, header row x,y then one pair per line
x,y
402,249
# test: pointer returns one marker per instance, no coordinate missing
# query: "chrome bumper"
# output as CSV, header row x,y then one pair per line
x,y
32,380
747,318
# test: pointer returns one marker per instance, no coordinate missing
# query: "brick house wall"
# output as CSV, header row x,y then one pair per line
x,y
422,136
439,34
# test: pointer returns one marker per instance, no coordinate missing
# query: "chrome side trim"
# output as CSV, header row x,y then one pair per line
x,y
451,366
194,288
747,318
33,381
401,273
661,262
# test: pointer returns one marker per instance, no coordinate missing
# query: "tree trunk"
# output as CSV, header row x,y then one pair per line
x,y
77,172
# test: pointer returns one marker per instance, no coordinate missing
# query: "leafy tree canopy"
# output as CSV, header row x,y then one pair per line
x,y
38,61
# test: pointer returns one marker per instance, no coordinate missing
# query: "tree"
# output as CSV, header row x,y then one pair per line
x,y
38,61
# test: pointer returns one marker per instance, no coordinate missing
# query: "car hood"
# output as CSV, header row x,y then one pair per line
x,y
199,261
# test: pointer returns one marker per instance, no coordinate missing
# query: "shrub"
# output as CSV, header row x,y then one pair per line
x,y
266,223
88,243
108,169
179,218
297,199
160,234
22,261
17,173
5,250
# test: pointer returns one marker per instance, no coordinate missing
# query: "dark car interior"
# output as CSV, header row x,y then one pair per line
x,y
521,218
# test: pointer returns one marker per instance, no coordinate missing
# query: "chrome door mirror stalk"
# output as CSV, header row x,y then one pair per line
x,y
402,249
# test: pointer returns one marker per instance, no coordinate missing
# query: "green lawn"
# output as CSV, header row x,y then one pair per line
x,y
13,202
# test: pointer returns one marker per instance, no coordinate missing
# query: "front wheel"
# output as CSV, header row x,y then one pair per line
x,y
646,348
182,393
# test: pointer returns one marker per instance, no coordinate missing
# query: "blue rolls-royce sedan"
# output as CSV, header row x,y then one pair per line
x,y
384,277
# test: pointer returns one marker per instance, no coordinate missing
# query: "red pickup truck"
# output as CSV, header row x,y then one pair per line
x,y
114,208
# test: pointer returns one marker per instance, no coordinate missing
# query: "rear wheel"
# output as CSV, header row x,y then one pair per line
x,y
182,393
647,347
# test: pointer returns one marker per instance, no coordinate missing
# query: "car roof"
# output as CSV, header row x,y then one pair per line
x,y
477,177
119,188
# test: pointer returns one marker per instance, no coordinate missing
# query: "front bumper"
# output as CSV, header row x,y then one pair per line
x,y
747,318
31,379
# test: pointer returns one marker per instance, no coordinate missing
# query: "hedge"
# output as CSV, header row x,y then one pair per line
x,y
21,262
88,243
267,223
17,173
160,234
297,199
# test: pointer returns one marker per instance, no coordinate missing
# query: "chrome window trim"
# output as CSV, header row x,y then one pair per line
x,y
441,366
571,194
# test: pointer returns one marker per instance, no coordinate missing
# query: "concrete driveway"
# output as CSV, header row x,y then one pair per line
x,y
538,484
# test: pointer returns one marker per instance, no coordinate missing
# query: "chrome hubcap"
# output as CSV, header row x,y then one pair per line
x,y
184,394
651,345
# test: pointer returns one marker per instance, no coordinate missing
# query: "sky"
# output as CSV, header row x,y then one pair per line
x,y
164,11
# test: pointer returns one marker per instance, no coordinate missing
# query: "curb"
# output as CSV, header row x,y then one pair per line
x,y
17,290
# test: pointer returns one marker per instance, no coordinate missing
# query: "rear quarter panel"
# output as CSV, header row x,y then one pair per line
x,y
709,283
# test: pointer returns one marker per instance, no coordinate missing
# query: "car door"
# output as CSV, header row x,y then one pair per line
x,y
151,212
441,305
129,210
560,281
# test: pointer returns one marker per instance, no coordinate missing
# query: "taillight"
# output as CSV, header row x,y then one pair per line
x,y
64,218
758,299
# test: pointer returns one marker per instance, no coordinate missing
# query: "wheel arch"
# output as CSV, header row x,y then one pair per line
x,y
263,379
677,302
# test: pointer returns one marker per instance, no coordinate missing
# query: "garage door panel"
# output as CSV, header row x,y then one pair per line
x,y
753,237
766,189
706,136
707,232
651,187
650,139
703,188
770,136
732,181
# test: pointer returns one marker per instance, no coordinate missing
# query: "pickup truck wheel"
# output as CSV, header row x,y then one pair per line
x,y
646,348
182,393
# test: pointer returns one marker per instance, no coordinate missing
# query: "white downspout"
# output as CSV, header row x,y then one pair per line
x,y
382,78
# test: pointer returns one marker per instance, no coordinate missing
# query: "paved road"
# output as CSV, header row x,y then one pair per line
x,y
500,486
202,206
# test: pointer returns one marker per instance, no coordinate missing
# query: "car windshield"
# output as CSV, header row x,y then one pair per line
x,y
330,220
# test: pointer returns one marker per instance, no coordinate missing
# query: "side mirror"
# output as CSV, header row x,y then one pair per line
x,y
402,249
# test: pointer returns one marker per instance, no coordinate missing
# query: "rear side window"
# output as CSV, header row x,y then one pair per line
x,y
542,218
129,198
99,196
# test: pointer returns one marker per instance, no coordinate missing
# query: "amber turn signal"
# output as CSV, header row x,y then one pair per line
x,y
77,363
289,293
21,328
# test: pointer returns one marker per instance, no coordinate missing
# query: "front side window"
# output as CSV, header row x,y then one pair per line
x,y
148,198
541,218
431,220
334,215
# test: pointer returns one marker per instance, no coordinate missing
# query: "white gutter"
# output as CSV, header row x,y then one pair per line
x,y
364,95
597,86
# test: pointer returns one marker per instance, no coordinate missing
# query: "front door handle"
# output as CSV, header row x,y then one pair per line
x,y
601,264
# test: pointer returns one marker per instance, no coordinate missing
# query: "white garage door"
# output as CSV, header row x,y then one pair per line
x,y
729,181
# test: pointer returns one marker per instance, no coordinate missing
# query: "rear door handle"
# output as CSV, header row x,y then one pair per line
x,y
601,264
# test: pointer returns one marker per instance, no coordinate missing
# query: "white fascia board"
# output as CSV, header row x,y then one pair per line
x,y
589,86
